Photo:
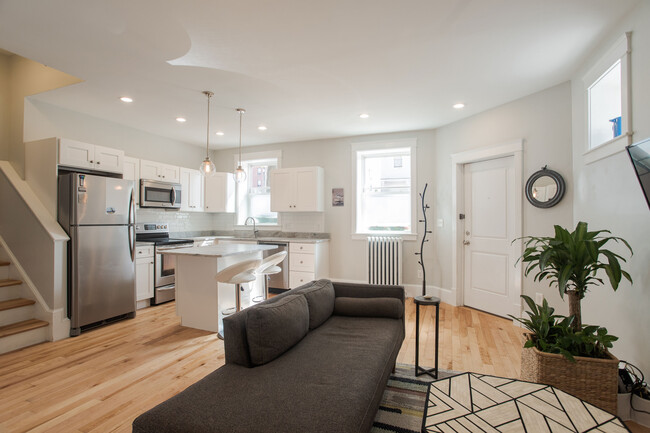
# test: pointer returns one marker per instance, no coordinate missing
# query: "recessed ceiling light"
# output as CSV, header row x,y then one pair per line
x,y
181,119
364,115
219,132
126,99
459,106
262,128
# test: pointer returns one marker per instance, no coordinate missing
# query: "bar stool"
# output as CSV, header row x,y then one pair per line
x,y
269,266
238,274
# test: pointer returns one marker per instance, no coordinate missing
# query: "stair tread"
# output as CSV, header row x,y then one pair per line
x,y
6,283
3,263
18,327
15,303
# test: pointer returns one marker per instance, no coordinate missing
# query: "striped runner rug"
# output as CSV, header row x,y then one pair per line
x,y
402,405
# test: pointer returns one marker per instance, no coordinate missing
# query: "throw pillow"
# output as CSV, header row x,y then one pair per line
x,y
320,298
369,307
274,328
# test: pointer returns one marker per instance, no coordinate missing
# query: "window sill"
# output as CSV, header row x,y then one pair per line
x,y
607,149
404,236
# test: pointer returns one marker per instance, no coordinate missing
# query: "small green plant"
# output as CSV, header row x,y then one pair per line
x,y
553,333
571,260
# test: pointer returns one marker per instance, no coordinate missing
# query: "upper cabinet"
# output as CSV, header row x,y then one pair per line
x,y
220,193
132,172
74,153
192,190
297,189
158,171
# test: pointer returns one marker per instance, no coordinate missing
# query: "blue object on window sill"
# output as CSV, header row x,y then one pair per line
x,y
616,126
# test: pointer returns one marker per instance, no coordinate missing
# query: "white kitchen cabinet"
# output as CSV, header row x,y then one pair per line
x,y
297,189
192,193
158,171
144,273
308,261
220,193
132,172
77,154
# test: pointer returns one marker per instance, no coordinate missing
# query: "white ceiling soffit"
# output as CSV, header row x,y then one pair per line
x,y
305,69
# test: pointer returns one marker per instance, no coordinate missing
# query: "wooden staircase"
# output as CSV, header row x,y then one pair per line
x,y
18,327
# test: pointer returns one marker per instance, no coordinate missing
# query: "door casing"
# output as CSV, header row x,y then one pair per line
x,y
458,160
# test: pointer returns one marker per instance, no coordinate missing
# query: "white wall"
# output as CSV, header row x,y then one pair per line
x,y
543,121
4,107
334,156
608,196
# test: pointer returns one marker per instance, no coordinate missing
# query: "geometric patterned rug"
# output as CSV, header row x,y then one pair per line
x,y
471,402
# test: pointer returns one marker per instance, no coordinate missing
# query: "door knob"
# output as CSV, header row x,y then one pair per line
x,y
465,242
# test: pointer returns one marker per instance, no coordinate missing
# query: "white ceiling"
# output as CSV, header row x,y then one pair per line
x,y
304,68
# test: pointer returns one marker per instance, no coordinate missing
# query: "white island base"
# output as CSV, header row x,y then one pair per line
x,y
199,298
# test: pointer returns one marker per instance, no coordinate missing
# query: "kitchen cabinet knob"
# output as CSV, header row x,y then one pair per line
x,y
301,262
99,162
91,161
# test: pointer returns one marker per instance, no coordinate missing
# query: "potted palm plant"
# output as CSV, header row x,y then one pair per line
x,y
560,351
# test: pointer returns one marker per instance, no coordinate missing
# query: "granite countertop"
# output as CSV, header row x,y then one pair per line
x,y
216,250
263,239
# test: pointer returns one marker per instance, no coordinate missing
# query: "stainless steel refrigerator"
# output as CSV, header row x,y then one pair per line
x,y
98,213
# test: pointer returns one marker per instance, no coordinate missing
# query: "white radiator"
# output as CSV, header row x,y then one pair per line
x,y
384,260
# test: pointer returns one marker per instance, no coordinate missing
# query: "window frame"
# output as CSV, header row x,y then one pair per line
x,y
619,51
410,143
254,156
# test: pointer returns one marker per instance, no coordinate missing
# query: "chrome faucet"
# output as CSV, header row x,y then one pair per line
x,y
254,227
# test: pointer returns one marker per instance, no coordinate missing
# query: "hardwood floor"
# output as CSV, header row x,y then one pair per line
x,y
101,380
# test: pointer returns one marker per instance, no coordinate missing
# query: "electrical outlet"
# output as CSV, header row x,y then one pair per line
x,y
419,272
539,298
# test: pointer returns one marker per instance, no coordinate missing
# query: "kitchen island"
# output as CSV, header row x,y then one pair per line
x,y
199,299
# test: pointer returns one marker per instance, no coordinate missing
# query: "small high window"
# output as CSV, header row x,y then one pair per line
x,y
608,126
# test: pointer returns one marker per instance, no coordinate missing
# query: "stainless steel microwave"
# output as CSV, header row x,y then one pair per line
x,y
165,195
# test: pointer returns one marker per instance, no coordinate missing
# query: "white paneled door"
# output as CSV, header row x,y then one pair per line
x,y
489,255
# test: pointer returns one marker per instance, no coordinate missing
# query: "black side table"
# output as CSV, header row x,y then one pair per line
x,y
421,300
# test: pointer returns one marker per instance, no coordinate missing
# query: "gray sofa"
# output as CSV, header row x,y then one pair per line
x,y
313,359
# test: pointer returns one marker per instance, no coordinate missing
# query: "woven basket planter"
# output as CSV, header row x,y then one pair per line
x,y
593,380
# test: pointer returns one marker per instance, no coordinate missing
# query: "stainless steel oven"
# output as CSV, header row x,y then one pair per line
x,y
165,195
164,265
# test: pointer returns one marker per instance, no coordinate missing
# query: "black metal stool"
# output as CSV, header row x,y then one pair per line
x,y
421,300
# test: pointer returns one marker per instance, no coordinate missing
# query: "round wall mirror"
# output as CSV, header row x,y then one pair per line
x,y
545,188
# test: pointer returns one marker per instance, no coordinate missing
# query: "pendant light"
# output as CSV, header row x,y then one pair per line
x,y
207,166
240,174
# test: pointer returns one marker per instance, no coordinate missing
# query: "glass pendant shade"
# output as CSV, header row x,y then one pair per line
x,y
239,175
207,167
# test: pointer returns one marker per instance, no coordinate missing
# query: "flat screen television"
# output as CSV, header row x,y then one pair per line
x,y
640,156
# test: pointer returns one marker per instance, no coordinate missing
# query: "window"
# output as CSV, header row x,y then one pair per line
x,y
605,107
608,117
385,188
254,195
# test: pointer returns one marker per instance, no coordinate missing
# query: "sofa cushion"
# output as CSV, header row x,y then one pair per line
x,y
369,307
320,299
274,328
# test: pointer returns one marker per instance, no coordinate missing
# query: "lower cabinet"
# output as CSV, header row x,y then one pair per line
x,y
144,278
308,262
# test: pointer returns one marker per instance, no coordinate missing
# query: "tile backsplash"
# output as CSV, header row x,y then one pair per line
x,y
308,222
178,221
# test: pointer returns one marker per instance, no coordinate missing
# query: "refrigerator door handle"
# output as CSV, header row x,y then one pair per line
x,y
131,227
